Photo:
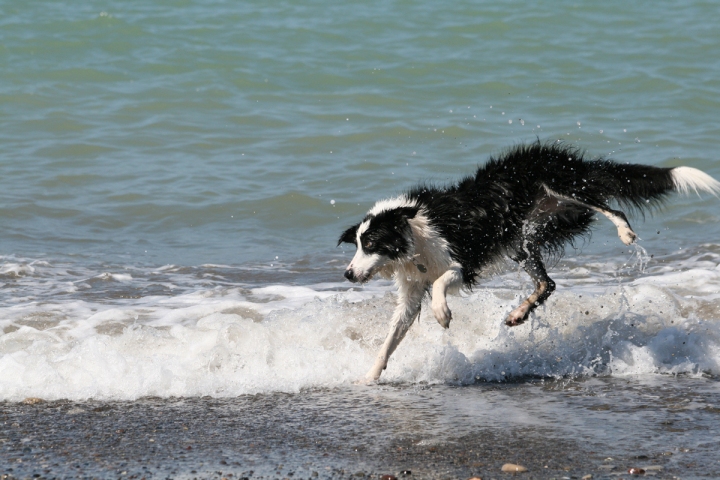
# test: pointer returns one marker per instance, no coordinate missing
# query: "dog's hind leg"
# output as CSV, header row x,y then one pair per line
x,y
544,286
618,218
625,231
409,299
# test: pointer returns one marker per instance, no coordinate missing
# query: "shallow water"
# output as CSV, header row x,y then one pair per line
x,y
175,176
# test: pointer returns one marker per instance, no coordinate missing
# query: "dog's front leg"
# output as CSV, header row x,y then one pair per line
x,y
409,299
451,279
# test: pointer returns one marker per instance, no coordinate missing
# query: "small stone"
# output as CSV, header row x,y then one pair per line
x,y
388,477
512,468
586,477
636,471
475,478
32,401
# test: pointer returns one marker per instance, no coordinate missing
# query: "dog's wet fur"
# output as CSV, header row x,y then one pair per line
x,y
526,204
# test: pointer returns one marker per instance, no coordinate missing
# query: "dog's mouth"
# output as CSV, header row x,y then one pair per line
x,y
362,279
365,278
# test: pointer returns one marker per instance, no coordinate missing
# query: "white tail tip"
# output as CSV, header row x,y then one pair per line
x,y
688,178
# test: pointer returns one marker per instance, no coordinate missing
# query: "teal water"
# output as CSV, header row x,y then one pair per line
x,y
195,132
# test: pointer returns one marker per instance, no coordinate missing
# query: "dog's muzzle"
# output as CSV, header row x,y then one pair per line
x,y
350,275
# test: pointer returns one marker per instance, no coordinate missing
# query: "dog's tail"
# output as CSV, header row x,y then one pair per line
x,y
641,186
686,179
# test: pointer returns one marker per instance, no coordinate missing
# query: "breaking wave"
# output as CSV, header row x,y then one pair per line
x,y
171,331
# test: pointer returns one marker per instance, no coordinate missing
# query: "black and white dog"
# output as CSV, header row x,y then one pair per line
x,y
531,200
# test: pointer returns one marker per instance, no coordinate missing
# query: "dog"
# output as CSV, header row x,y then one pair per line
x,y
527,203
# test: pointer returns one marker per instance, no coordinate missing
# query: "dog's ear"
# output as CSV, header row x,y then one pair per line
x,y
407,212
349,235
397,216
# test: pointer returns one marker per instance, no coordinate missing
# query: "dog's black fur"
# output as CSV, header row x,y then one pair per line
x,y
483,216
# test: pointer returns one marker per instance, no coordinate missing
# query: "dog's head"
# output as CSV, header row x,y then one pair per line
x,y
382,237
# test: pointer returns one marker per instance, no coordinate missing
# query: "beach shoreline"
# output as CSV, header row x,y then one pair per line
x,y
433,432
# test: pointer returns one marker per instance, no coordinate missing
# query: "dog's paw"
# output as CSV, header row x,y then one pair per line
x,y
518,316
441,311
627,236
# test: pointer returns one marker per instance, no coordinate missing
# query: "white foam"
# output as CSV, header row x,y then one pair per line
x,y
118,277
230,340
16,269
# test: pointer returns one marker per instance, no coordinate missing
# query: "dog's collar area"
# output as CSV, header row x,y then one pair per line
x,y
419,266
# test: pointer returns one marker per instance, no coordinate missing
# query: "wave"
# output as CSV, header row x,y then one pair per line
x,y
214,336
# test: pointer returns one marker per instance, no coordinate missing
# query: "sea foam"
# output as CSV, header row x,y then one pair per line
x,y
67,333
227,340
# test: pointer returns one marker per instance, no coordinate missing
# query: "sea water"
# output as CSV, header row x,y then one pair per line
x,y
175,176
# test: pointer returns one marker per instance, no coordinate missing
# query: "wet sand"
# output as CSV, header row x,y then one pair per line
x,y
559,429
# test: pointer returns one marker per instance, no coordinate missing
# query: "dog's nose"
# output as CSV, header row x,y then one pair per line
x,y
350,275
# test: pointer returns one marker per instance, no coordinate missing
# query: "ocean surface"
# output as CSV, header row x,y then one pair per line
x,y
175,175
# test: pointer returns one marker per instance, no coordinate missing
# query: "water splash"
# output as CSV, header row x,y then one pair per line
x,y
640,258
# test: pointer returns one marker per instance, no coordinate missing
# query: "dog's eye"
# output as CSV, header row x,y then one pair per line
x,y
368,244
